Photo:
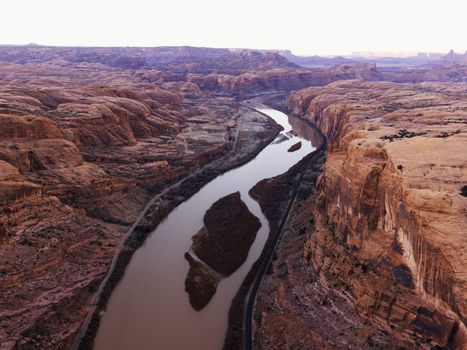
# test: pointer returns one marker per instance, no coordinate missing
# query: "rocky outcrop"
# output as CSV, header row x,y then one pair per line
x,y
452,59
222,245
229,230
37,155
295,147
32,127
200,283
389,217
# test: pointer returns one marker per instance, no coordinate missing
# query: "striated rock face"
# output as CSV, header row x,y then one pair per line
x,y
222,245
390,220
32,127
36,155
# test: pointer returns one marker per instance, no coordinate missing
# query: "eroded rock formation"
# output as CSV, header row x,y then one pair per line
x,y
295,147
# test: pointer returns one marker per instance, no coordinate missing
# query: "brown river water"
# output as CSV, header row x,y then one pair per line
x,y
149,308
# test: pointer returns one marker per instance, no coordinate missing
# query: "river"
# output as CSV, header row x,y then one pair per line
x,y
149,309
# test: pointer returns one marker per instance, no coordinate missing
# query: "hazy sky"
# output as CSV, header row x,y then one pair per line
x,y
305,27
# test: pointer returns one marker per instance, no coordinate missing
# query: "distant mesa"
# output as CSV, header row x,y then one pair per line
x,y
452,59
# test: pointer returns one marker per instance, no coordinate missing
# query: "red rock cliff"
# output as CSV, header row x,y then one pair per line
x,y
391,195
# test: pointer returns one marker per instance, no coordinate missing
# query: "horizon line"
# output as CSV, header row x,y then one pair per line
x,y
357,53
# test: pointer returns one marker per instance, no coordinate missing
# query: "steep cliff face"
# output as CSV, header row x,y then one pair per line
x,y
390,196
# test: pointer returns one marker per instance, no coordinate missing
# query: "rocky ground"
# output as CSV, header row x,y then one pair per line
x,y
380,262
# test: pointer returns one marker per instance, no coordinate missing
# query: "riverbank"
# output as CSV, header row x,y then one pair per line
x,y
250,141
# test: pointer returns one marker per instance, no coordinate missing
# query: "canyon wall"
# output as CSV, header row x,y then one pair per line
x,y
390,216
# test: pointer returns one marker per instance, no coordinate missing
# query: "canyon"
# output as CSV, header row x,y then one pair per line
x,y
98,146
